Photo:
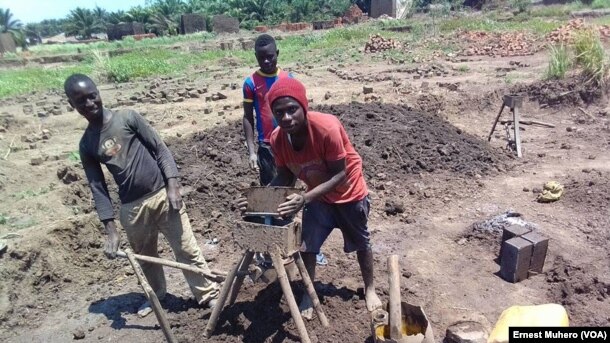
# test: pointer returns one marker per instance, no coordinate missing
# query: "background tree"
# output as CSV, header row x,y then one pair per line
x,y
12,26
83,22
7,23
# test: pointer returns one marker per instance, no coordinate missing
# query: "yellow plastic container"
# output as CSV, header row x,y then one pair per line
x,y
536,315
415,326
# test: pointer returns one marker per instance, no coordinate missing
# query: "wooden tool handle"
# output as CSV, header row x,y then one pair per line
x,y
395,310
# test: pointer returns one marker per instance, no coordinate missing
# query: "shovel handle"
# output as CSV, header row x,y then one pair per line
x,y
216,276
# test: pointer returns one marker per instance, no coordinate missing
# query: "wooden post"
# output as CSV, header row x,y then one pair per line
x,y
517,133
311,290
241,274
292,304
222,298
395,310
152,298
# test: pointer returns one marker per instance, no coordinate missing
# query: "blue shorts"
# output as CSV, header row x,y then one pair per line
x,y
320,218
266,164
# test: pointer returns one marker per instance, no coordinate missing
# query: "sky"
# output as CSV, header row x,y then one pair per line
x,y
31,11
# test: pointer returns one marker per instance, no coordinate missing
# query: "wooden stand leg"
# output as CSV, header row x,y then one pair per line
x,y
310,289
517,133
152,298
493,128
222,298
292,304
241,274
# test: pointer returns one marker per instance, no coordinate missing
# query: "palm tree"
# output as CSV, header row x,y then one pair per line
x,y
254,9
101,14
118,17
139,14
168,8
83,22
302,9
163,25
7,24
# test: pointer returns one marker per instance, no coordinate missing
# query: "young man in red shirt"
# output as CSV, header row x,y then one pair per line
x,y
255,89
315,148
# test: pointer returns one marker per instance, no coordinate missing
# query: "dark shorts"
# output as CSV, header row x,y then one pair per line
x,y
320,218
266,164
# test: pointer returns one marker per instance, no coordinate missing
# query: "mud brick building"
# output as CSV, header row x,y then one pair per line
x,y
225,24
191,23
7,43
118,31
381,7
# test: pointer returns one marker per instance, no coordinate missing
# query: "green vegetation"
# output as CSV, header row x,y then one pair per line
x,y
74,156
84,22
559,62
534,25
126,43
12,26
21,81
589,54
521,5
598,4
31,193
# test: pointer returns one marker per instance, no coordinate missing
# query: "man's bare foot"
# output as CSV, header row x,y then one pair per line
x,y
372,300
306,307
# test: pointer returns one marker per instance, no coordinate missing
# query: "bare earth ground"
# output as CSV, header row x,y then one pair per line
x,y
431,174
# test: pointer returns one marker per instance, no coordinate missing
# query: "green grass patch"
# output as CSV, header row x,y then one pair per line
x,y
559,62
534,25
463,69
141,64
589,54
31,193
598,4
127,43
74,156
20,81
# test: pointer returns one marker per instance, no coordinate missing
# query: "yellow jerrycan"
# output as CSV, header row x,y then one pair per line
x,y
535,315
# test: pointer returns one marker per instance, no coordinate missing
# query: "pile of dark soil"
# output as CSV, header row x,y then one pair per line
x,y
396,146
64,259
573,91
584,292
397,142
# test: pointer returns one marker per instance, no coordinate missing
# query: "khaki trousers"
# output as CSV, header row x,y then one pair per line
x,y
142,221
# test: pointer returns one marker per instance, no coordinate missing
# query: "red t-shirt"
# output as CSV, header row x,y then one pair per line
x,y
327,141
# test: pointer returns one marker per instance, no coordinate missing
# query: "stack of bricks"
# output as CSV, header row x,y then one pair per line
x,y
522,253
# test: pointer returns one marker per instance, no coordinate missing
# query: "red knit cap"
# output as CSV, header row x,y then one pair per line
x,y
288,86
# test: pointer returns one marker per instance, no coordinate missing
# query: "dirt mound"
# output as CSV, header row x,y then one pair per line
x,y
581,290
590,189
589,192
572,92
66,257
77,194
397,145
396,141
262,315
